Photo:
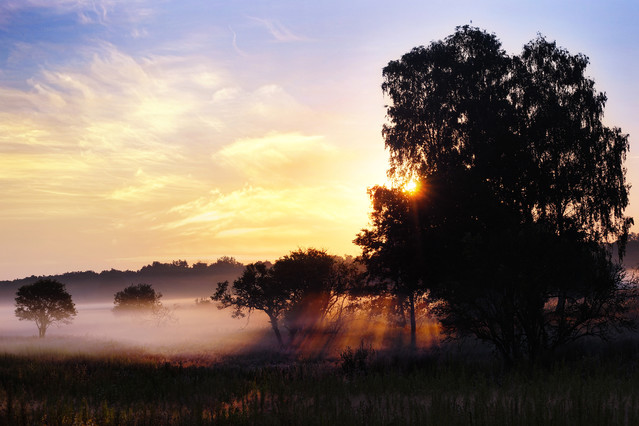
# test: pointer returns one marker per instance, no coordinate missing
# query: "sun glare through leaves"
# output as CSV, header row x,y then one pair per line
x,y
411,187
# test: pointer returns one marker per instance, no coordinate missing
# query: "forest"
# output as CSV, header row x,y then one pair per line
x,y
495,283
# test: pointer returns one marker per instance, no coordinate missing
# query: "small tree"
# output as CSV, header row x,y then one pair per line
x,y
140,297
46,302
256,289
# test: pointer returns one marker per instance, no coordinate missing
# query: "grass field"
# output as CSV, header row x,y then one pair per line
x,y
113,386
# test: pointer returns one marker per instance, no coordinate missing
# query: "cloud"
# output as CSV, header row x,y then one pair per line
x,y
235,46
226,94
279,157
278,31
259,222
113,101
263,211
144,185
106,115
139,33
77,133
86,12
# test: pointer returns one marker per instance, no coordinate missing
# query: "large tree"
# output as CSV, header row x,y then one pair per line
x,y
530,126
46,302
518,165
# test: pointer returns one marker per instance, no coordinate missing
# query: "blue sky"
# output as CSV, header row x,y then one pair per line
x,y
134,131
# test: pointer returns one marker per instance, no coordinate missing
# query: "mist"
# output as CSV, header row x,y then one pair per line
x,y
199,330
195,330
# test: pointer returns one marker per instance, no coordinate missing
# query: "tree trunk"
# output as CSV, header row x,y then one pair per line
x,y
41,331
276,330
413,323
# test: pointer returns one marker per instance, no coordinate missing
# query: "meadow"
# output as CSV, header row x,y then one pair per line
x,y
207,368
64,383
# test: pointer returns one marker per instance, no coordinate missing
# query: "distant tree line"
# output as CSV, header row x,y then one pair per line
x,y
92,286
46,300
221,265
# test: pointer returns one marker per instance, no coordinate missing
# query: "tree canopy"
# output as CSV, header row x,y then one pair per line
x,y
529,127
46,302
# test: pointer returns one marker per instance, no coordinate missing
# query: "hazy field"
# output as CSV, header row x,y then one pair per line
x,y
200,366
77,381
189,329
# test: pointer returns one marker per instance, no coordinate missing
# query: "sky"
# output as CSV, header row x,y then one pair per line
x,y
141,130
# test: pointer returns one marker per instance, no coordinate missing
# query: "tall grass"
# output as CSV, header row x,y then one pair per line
x,y
277,389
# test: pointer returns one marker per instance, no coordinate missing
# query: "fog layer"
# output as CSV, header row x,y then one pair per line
x,y
190,328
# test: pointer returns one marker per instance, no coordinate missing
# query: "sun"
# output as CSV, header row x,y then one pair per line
x,y
411,186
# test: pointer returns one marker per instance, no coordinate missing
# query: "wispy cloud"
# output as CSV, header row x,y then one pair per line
x,y
87,129
167,154
235,46
87,12
278,31
279,157
264,211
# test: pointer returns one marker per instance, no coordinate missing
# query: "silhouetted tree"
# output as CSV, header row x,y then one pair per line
x,y
138,297
255,289
301,290
392,249
142,299
317,282
517,165
46,302
529,127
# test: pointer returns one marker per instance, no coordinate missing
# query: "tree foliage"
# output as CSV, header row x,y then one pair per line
x,y
138,297
46,302
529,127
522,186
